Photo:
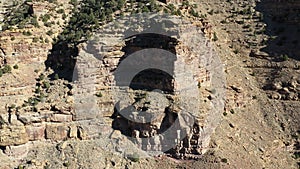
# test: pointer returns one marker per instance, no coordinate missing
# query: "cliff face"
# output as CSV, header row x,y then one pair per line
x,y
49,118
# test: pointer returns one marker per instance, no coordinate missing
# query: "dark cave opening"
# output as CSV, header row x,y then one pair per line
x,y
153,79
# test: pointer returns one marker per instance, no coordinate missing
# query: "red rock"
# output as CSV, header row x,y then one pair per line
x,y
36,132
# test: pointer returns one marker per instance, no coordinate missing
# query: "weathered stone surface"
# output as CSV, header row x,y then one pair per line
x,y
13,135
36,132
30,117
72,131
61,118
56,131
16,151
14,120
89,129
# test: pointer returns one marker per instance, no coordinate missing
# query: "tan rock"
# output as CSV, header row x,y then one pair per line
x,y
56,131
81,133
17,151
73,131
61,118
13,135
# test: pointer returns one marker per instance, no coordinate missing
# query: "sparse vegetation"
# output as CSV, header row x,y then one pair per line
x,y
16,66
215,38
35,39
224,160
66,163
46,84
56,77
236,51
19,17
6,69
99,94
284,57
27,33
134,157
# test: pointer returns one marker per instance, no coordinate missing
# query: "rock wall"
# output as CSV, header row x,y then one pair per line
x,y
86,109
108,52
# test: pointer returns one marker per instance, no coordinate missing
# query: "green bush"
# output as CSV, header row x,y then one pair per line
x,y
64,16
32,101
99,94
45,18
61,11
224,160
47,24
34,22
46,84
27,33
215,38
134,157
56,77
16,66
41,77
6,69
18,16
49,33
35,39
46,40
284,57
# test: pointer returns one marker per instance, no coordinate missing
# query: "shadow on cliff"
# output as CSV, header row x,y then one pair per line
x,y
283,27
62,60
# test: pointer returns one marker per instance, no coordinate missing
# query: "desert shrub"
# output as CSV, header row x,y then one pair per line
x,y
16,66
284,57
45,18
27,33
46,84
46,40
194,13
34,22
6,69
64,16
134,157
41,77
49,33
35,39
224,160
56,77
74,2
32,101
60,11
215,38
236,51
47,24
99,94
